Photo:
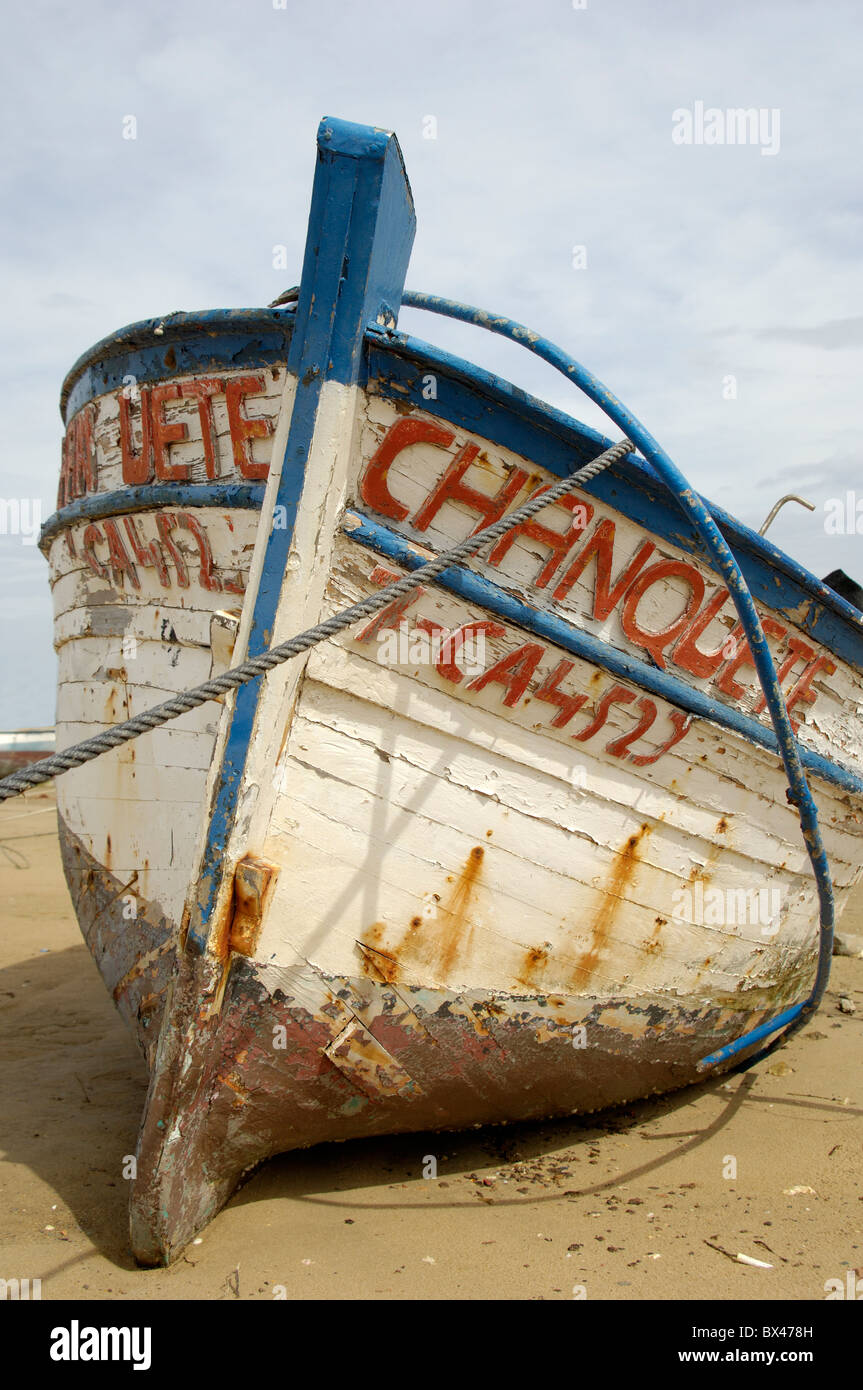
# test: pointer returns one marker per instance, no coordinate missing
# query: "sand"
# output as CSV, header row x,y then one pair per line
x,y
630,1204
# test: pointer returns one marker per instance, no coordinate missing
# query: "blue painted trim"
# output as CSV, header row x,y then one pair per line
x,y
764,1030
475,588
487,405
360,233
207,341
242,496
363,192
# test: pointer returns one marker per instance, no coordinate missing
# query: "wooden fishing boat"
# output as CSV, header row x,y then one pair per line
x,y
519,845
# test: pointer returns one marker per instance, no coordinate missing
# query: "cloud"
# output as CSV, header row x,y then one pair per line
x,y
837,333
553,130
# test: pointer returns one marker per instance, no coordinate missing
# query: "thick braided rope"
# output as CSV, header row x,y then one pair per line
x,y
91,748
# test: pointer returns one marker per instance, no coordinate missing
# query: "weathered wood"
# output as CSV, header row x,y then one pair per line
x,y
398,885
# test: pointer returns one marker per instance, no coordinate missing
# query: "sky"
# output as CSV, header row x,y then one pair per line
x,y
567,171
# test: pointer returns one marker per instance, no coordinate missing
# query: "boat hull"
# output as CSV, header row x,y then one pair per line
x,y
516,846
472,916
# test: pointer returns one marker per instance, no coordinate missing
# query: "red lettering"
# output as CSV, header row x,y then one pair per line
x,y
452,643
148,555
617,695
549,691
803,694
165,521
202,390
392,616
687,654
244,429
725,680
91,536
63,484
601,544
558,542
374,489
513,672
164,434
78,468
137,468
452,489
205,574
656,642
118,558
619,746
682,723
797,650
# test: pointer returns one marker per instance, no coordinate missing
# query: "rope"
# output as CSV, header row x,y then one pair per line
x,y
90,748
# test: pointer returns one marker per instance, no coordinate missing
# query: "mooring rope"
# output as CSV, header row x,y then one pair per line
x,y
94,747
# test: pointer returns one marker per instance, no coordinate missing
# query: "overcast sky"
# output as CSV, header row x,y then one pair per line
x,y
554,130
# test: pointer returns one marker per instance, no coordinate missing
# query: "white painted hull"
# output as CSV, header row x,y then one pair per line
x,y
427,833
396,887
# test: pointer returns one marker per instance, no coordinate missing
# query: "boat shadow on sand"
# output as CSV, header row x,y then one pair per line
x,y
73,1089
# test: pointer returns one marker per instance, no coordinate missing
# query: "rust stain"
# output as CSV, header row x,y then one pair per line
x,y
241,1095
378,965
721,826
254,880
704,872
453,919
483,461
435,942
220,932
184,928
653,944
374,935
534,963
619,881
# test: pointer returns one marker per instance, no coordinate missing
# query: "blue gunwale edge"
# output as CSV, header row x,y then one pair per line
x,y
142,344
150,497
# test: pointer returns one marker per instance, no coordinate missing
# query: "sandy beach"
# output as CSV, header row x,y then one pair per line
x,y
639,1202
